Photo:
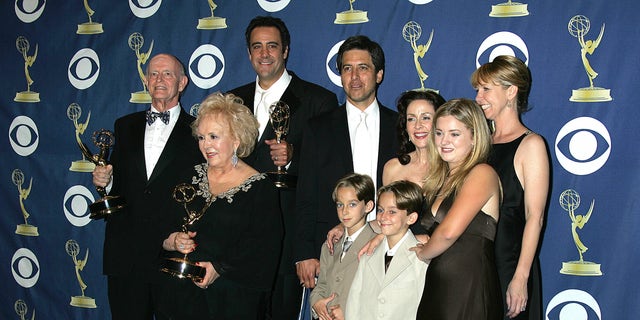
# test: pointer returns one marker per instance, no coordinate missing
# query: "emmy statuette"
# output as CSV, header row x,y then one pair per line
x,y
106,205
89,27
81,301
22,44
24,229
351,16
21,310
411,32
509,9
212,22
578,27
136,41
570,201
279,116
181,267
73,113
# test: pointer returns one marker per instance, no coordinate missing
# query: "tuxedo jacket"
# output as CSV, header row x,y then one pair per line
x,y
335,275
326,157
395,293
305,100
133,236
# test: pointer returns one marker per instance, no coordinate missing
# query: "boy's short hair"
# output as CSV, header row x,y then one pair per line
x,y
361,183
408,196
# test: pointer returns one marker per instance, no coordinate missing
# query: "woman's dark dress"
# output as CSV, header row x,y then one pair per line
x,y
241,235
462,282
511,227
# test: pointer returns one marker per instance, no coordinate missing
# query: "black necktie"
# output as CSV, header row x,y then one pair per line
x,y
152,116
387,262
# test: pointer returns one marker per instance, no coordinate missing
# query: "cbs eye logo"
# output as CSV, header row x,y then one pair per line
x,y
23,135
418,2
206,66
502,43
84,69
75,205
273,6
28,10
573,304
330,64
25,268
583,146
144,8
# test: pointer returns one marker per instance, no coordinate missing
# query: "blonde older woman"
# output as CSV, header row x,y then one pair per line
x,y
239,236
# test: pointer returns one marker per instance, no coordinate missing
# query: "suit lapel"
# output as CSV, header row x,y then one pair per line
x,y
400,261
179,134
340,130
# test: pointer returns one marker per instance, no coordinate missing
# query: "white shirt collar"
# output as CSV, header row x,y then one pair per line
x,y
353,236
392,251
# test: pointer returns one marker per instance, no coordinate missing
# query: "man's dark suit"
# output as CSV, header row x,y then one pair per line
x,y
326,157
305,101
134,236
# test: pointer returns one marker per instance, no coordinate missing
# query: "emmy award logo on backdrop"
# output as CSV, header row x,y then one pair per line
x,y
22,44
89,27
73,113
212,22
23,229
81,301
136,41
411,32
106,205
279,116
351,16
21,309
509,9
570,201
181,267
578,27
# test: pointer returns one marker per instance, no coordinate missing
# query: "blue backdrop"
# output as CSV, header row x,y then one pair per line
x,y
50,247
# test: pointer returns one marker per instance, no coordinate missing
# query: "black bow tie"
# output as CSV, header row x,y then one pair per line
x,y
152,116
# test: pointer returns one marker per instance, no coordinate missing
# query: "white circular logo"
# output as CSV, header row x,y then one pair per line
x,y
331,65
29,10
420,1
206,66
583,146
273,6
25,268
502,43
573,304
76,205
144,8
84,68
23,135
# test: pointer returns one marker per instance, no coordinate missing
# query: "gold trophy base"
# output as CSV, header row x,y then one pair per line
x,y
140,97
351,17
581,268
509,9
283,180
83,302
183,269
27,96
211,23
427,89
27,230
82,166
106,206
591,94
90,28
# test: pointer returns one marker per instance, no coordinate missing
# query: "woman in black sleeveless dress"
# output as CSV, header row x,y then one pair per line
x,y
464,192
521,160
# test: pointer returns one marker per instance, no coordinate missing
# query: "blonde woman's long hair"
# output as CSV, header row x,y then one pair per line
x,y
440,181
